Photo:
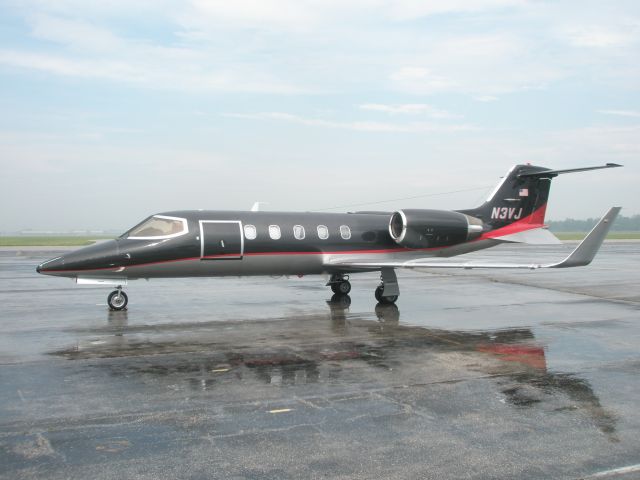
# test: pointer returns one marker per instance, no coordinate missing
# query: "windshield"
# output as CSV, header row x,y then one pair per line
x,y
159,226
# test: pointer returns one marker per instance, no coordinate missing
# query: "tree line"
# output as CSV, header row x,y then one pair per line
x,y
622,224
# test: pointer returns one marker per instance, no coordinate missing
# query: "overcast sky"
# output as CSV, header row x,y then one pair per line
x,y
111,111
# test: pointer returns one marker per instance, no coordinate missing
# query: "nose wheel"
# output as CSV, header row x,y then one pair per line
x,y
117,299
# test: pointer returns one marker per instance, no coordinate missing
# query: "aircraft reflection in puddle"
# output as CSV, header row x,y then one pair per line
x,y
356,350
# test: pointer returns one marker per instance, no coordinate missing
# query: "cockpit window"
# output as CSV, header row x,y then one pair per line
x,y
159,226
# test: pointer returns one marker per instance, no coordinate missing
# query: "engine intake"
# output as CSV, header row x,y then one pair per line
x,y
433,228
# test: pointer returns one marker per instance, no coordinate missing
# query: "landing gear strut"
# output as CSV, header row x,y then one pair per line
x,y
117,299
387,291
339,284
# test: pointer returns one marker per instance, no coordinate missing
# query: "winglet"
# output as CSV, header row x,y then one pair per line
x,y
586,251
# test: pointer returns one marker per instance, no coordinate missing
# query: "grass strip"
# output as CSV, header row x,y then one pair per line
x,y
610,236
50,241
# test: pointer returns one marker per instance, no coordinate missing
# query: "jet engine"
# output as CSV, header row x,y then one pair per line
x,y
433,228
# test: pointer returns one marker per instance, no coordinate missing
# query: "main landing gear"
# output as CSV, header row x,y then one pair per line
x,y
339,284
117,299
387,292
380,297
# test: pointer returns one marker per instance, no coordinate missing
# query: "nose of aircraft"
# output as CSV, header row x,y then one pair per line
x,y
52,265
101,256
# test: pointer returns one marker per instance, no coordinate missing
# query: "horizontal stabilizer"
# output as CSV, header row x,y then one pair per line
x,y
554,173
582,255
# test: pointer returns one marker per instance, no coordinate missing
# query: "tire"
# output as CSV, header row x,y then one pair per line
x,y
334,287
117,300
378,293
387,299
343,287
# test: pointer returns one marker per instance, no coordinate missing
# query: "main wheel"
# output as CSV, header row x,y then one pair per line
x,y
387,299
117,300
343,287
378,293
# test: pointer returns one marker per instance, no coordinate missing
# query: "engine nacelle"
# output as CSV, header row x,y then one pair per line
x,y
433,228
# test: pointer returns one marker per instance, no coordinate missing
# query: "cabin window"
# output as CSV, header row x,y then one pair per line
x,y
298,232
323,232
345,232
250,232
159,227
274,232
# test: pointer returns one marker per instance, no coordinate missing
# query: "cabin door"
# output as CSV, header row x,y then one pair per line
x,y
221,240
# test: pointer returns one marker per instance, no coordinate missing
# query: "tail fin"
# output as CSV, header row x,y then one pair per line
x,y
521,197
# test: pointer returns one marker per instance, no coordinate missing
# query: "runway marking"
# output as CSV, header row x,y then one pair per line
x,y
281,410
219,370
614,471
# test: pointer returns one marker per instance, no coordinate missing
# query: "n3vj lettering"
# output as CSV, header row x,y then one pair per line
x,y
506,213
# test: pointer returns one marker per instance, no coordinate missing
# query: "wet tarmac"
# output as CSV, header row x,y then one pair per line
x,y
473,375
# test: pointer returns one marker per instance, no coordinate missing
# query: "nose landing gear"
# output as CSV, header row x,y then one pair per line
x,y
117,299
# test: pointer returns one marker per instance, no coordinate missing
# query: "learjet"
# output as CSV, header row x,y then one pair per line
x,y
203,243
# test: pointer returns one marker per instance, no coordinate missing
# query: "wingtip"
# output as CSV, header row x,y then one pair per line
x,y
612,214
586,251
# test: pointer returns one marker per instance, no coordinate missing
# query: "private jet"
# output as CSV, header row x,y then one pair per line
x,y
199,243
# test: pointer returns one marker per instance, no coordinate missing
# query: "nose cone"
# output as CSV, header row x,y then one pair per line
x,y
100,257
50,266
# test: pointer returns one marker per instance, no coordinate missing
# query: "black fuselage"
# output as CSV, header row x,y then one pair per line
x,y
220,243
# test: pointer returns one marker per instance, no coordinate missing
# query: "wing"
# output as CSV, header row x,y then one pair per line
x,y
582,255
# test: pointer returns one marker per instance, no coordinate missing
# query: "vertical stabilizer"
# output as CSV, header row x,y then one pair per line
x,y
521,197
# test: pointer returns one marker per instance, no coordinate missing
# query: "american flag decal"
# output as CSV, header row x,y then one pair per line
x,y
524,192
